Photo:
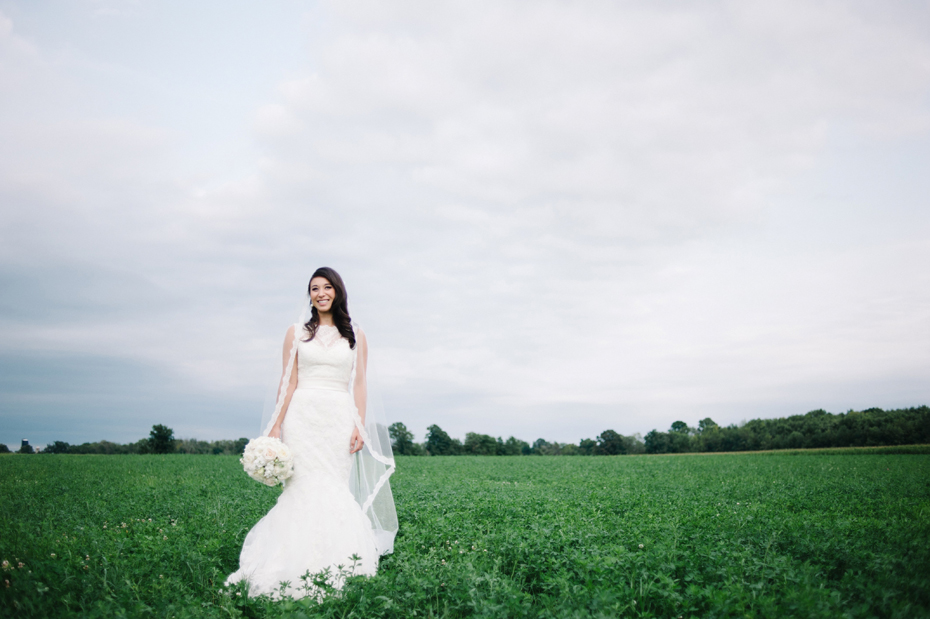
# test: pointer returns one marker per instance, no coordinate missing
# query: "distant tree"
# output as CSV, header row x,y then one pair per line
x,y
707,425
240,445
609,443
161,439
104,447
218,448
679,438
736,438
139,447
402,440
538,446
656,442
4,449
192,446
633,444
817,428
480,444
587,447
514,447
26,448
438,443
570,449
554,449
58,447
223,447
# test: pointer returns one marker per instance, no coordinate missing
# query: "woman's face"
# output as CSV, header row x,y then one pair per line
x,y
322,294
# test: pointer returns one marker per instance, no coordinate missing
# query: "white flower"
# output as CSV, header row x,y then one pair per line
x,y
267,460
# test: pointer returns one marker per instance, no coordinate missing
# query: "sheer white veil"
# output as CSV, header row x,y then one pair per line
x,y
372,466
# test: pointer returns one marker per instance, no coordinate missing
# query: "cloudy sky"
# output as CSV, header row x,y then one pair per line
x,y
553,218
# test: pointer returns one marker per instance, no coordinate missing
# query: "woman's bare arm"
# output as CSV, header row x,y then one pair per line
x,y
291,385
360,389
361,376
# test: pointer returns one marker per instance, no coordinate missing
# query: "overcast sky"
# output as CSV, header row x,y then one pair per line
x,y
553,218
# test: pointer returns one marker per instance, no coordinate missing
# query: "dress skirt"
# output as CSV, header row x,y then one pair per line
x,y
316,523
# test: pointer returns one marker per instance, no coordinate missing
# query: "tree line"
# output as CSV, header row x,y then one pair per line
x,y
161,440
439,443
872,427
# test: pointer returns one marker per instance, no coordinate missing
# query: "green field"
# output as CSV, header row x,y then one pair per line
x,y
639,536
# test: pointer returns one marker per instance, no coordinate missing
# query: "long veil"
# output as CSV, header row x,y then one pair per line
x,y
372,467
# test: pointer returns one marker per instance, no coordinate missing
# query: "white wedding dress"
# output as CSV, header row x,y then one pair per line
x,y
317,522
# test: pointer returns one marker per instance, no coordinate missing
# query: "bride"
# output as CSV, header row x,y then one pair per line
x,y
336,512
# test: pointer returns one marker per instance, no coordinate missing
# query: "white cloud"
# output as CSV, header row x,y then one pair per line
x,y
529,165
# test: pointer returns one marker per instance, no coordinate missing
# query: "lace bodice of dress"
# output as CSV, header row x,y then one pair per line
x,y
325,361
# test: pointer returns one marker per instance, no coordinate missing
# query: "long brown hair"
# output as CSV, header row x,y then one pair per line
x,y
340,310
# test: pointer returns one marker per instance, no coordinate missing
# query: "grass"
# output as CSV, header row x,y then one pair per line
x,y
762,535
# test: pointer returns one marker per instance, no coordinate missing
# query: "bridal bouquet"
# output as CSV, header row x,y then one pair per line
x,y
267,460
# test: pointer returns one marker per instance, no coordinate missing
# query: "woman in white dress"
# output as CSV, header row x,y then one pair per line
x,y
336,509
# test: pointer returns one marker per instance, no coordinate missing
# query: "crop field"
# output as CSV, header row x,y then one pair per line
x,y
764,535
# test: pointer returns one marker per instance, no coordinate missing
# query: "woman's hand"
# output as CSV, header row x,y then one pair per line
x,y
275,432
356,443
